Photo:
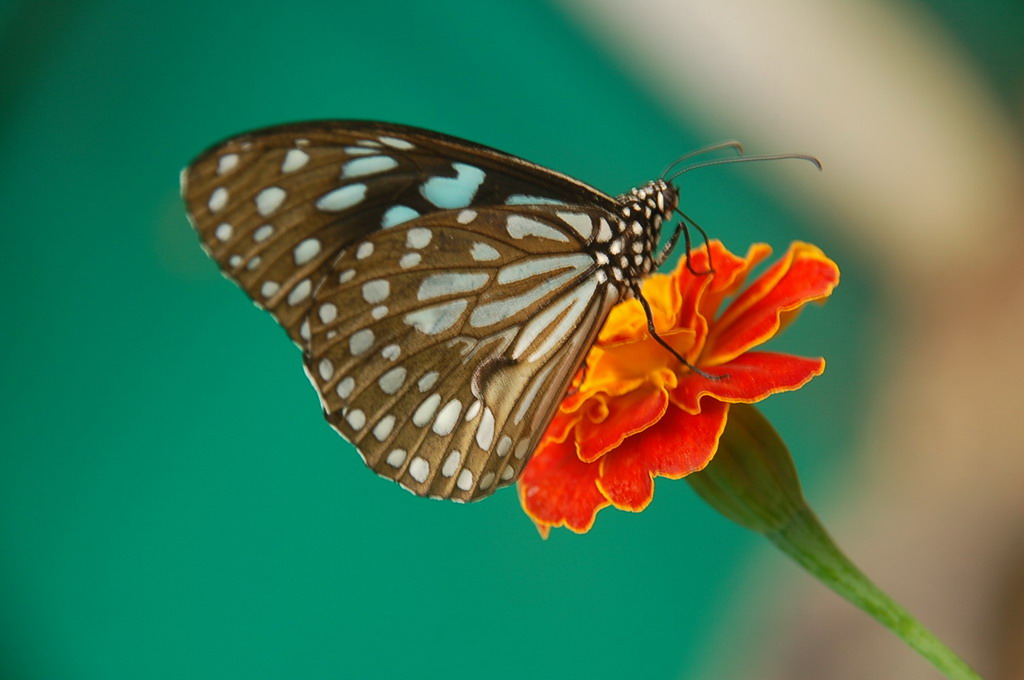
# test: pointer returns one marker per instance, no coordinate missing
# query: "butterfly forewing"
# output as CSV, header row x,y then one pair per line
x,y
274,207
441,347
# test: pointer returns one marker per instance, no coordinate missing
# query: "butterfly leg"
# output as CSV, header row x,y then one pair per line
x,y
660,341
575,388
671,244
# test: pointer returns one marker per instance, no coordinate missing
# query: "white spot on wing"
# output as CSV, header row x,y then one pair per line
x,y
418,238
419,469
409,260
328,312
342,198
439,285
396,143
465,480
218,199
451,464
300,292
536,266
294,159
520,226
383,427
580,222
269,200
223,231
482,252
396,458
368,165
263,233
425,411
306,251
345,387
427,381
448,417
436,319
485,431
361,342
227,163
356,419
393,380
376,291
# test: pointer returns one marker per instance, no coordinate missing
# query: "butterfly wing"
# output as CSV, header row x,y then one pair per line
x,y
442,347
275,206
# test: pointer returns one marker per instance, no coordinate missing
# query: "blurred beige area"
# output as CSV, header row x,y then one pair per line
x,y
925,176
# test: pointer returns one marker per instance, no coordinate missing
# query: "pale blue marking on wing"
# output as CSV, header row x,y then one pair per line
x,y
454,192
397,214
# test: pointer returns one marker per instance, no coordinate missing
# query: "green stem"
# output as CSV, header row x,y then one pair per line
x,y
806,541
752,481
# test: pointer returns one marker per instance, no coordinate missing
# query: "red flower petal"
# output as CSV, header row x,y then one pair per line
x,y
805,274
561,425
751,377
627,415
730,275
679,444
558,489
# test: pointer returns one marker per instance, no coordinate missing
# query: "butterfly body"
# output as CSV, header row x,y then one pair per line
x,y
443,293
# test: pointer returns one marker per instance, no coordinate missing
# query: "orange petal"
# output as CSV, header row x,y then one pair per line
x,y
803,275
746,379
627,415
558,489
680,443
627,321
561,425
730,275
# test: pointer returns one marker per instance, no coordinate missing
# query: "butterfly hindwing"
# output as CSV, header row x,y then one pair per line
x,y
442,346
274,207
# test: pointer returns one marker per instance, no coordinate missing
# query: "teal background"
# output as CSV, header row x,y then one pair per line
x,y
172,504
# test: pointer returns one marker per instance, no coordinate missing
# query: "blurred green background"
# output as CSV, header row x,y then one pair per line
x,y
172,504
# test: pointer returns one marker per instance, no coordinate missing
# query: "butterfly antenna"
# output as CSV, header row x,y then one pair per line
x,y
717,146
654,334
746,159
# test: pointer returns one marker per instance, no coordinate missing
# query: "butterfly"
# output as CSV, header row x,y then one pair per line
x,y
443,293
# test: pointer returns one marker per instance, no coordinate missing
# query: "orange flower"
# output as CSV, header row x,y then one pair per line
x,y
639,413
